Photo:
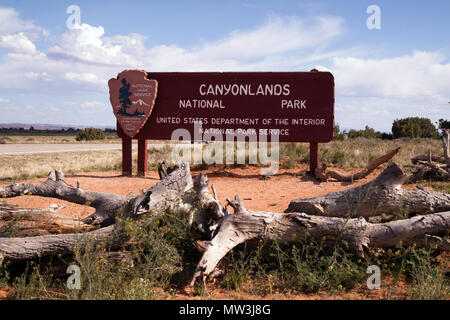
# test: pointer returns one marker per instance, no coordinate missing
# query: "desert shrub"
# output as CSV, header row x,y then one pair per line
x,y
332,156
4,275
32,284
241,265
387,136
414,127
306,266
90,134
337,134
160,253
429,281
289,163
428,277
368,133
294,151
309,266
157,256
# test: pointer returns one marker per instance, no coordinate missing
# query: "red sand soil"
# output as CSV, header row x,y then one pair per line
x,y
273,194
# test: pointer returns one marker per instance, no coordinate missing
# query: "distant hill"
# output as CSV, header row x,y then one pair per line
x,y
43,126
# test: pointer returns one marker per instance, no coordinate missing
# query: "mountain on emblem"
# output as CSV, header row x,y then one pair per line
x,y
132,96
140,102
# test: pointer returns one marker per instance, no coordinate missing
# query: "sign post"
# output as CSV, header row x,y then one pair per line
x,y
295,106
313,156
142,157
126,156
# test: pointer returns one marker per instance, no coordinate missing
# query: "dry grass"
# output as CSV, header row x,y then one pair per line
x,y
361,151
13,138
39,165
356,153
13,167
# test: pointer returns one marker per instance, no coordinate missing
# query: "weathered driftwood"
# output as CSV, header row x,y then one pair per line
x,y
25,248
424,157
33,221
429,170
323,173
107,205
432,167
382,195
288,227
439,170
176,193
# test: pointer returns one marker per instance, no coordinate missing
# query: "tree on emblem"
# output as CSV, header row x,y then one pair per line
x,y
124,97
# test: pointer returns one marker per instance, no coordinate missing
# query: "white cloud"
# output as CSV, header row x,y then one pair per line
x,y
377,91
277,36
238,50
10,22
32,75
417,75
81,77
368,91
3,100
17,43
84,60
93,105
85,44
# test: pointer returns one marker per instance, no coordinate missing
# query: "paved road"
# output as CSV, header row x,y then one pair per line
x,y
17,149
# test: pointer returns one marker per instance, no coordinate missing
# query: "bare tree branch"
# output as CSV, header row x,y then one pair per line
x,y
382,195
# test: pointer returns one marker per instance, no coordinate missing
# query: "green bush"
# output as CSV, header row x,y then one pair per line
x,y
368,133
337,134
414,127
429,281
90,134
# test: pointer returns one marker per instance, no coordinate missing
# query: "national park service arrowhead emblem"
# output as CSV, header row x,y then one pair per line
x,y
132,97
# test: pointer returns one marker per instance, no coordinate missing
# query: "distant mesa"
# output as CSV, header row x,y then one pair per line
x,y
53,127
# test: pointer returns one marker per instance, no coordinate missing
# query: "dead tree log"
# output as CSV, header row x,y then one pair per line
x,y
288,227
382,195
26,248
423,157
107,205
24,222
176,192
432,167
323,173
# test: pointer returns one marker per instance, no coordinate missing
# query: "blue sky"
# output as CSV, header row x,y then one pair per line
x,y
52,74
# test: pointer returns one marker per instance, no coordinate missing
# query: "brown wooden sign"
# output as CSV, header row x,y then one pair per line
x,y
299,106
132,97
296,106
